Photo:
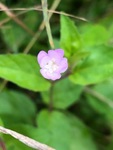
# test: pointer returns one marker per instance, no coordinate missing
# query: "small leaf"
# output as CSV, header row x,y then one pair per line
x,y
65,94
97,67
52,125
70,38
94,35
23,70
13,106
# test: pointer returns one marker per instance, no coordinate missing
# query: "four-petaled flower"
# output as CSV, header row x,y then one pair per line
x,y
52,63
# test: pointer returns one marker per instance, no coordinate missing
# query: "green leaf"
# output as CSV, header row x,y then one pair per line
x,y
94,35
104,107
97,67
54,125
15,107
70,38
23,70
65,94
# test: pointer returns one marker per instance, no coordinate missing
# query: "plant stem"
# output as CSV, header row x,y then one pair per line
x,y
51,96
99,96
46,20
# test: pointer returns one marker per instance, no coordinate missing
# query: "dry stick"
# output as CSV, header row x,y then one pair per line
x,y
99,96
16,15
2,145
52,11
8,19
18,21
41,27
47,24
26,140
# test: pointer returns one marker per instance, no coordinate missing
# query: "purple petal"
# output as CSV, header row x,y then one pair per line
x,y
44,61
54,55
44,73
63,65
41,54
60,52
55,76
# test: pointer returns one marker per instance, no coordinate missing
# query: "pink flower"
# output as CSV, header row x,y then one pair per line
x,y
52,63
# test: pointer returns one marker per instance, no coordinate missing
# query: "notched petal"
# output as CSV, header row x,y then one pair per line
x,y
41,54
44,61
60,52
63,65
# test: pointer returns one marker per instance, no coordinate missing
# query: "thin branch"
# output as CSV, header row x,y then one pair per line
x,y
47,24
2,144
99,96
14,17
41,27
52,11
26,140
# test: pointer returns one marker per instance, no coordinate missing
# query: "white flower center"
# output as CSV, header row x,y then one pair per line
x,y
51,66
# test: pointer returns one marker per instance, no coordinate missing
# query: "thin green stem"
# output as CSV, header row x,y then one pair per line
x,y
51,96
46,20
99,96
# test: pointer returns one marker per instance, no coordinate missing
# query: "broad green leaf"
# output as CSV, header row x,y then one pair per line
x,y
70,38
104,107
16,107
63,132
65,94
94,35
76,58
23,70
97,67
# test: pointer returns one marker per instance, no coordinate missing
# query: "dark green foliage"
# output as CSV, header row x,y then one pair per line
x,y
80,115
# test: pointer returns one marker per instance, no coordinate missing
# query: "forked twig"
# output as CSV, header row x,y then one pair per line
x,y
26,140
15,18
41,28
49,10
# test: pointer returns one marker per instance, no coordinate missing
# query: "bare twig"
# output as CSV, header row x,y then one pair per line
x,y
47,24
2,145
14,17
52,11
99,96
41,27
26,140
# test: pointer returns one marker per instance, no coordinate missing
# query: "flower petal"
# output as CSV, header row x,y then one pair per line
x,y
44,73
41,54
55,76
44,61
60,52
63,65
54,55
